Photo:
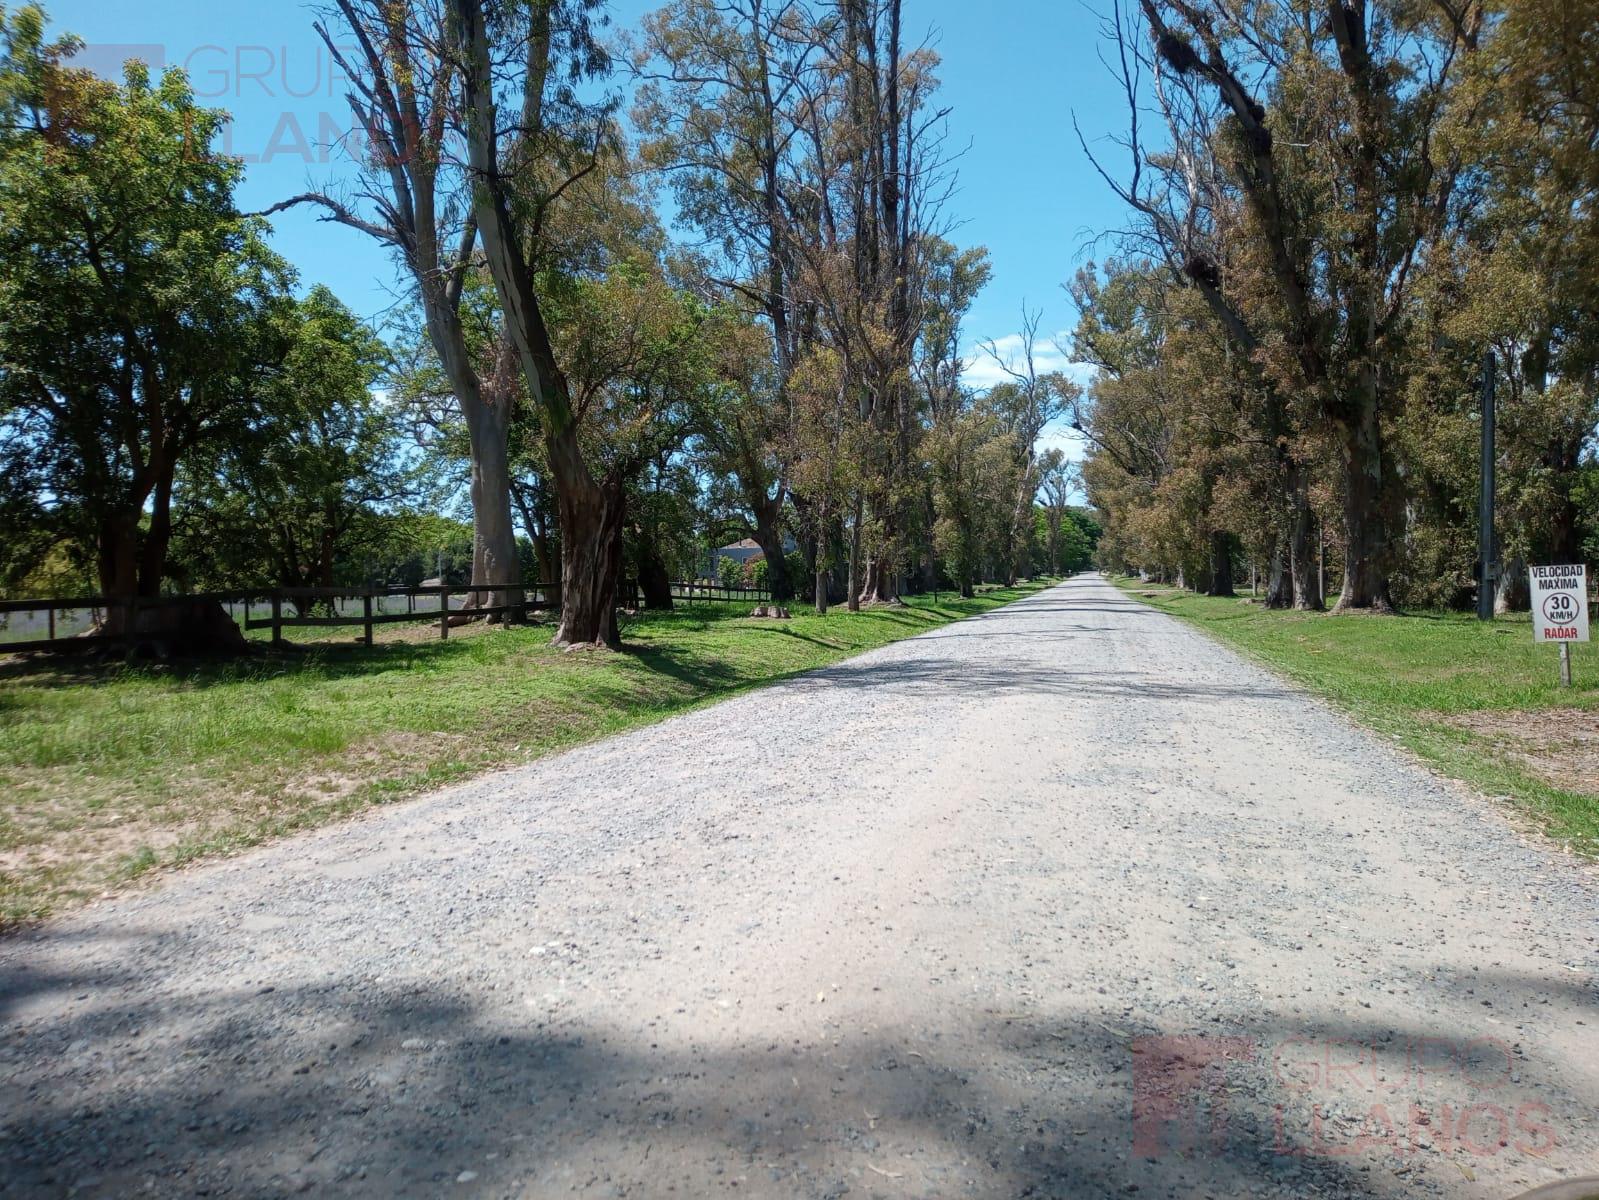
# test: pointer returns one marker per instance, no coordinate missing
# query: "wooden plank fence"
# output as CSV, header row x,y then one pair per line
x,y
318,608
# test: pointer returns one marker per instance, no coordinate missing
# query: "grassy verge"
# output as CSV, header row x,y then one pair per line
x,y
1478,700
111,771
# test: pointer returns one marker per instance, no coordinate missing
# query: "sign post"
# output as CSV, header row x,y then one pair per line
x,y
1560,609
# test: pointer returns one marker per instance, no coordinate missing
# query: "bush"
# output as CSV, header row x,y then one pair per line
x,y
730,572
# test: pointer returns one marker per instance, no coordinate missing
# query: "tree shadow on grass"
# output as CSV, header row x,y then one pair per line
x,y
259,663
325,660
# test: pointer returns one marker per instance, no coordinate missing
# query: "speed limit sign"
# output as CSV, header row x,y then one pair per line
x,y
1560,603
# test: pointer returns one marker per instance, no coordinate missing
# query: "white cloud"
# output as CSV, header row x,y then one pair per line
x,y
983,372
1060,436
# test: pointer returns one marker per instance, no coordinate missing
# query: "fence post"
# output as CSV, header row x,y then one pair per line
x,y
444,613
51,621
366,613
277,617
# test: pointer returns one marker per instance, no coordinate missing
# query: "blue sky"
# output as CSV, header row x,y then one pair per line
x,y
1014,71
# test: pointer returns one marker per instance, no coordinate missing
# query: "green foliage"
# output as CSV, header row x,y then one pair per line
x,y
310,490
730,572
1302,358
137,307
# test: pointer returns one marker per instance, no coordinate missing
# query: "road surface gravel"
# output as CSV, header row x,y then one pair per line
x,y
1064,900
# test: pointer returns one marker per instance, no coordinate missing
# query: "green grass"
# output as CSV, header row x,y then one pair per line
x,y
1420,678
109,772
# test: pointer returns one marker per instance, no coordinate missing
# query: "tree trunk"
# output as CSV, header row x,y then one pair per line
x,y
591,524
1221,564
853,589
1302,563
118,554
591,511
822,579
1513,589
495,562
770,539
153,553
1279,577
655,583
1365,526
882,583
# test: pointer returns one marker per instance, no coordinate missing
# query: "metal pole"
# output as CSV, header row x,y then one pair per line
x,y
1565,664
1485,512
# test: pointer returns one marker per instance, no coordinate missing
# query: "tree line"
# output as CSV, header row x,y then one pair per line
x,y
607,394
1338,213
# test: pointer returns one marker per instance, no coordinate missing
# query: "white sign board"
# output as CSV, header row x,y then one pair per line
x,y
1560,604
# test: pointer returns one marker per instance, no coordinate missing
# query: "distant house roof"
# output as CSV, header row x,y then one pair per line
x,y
746,544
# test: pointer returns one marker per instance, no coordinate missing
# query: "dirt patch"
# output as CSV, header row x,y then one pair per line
x,y
58,842
1560,745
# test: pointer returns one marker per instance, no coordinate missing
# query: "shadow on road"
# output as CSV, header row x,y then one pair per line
x,y
395,1090
999,676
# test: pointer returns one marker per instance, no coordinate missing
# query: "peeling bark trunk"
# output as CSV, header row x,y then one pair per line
x,y
591,525
591,511
1513,589
495,562
882,583
851,588
821,580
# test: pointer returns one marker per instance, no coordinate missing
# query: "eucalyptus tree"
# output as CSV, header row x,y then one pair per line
x,y
518,169
1520,278
1305,179
720,102
1057,483
413,197
1029,401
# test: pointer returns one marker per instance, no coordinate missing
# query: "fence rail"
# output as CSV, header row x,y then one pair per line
x,y
73,620
692,590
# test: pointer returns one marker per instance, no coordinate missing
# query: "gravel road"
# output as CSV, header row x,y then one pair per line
x,y
1060,901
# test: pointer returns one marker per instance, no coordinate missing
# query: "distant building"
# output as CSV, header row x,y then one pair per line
x,y
746,552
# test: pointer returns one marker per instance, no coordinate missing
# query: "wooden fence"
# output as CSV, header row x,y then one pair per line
x,y
73,620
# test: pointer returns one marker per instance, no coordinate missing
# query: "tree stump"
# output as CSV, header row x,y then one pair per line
x,y
771,612
181,628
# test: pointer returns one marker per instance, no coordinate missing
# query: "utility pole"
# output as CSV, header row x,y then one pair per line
x,y
1486,566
